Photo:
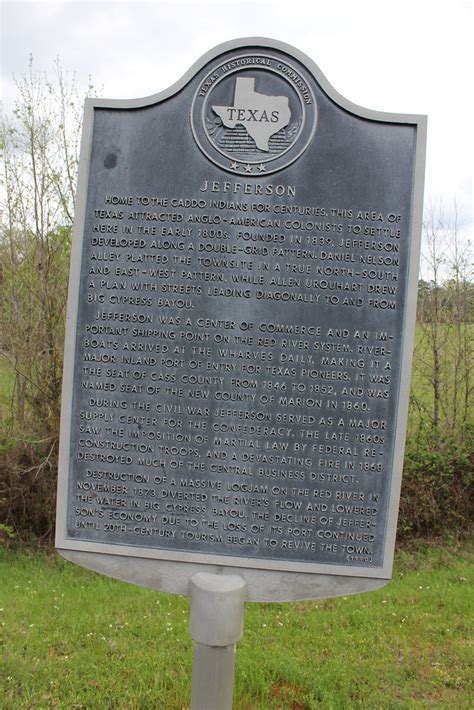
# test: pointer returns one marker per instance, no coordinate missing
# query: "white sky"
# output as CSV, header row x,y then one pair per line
x,y
404,56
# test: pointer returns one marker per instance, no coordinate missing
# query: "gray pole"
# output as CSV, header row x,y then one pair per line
x,y
216,624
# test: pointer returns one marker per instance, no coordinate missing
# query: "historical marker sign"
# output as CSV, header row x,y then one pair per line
x,y
240,325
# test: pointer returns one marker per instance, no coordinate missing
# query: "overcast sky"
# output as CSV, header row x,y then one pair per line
x,y
403,56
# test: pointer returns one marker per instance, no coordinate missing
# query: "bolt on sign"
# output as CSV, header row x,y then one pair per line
x,y
239,333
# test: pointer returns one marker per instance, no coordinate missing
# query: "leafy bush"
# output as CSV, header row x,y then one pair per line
x,y
437,486
28,478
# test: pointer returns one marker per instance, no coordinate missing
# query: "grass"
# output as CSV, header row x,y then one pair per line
x,y
74,639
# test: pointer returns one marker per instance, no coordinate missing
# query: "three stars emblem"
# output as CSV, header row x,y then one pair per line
x,y
247,167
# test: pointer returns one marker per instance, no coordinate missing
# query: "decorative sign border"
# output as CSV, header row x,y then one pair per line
x,y
267,579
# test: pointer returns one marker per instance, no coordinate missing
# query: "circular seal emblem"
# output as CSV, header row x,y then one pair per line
x,y
253,114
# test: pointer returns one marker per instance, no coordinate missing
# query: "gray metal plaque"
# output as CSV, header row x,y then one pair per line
x,y
240,326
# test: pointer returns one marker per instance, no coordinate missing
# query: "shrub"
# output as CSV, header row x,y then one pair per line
x,y
437,486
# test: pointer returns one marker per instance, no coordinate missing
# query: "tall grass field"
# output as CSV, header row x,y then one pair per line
x,y
74,639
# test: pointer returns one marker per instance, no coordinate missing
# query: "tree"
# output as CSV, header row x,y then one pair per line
x,y
40,144
443,354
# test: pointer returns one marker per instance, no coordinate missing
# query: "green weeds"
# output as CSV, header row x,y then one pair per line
x,y
74,639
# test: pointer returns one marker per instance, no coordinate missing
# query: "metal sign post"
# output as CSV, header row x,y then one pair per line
x,y
216,624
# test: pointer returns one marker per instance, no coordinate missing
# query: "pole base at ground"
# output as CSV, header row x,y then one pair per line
x,y
216,624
